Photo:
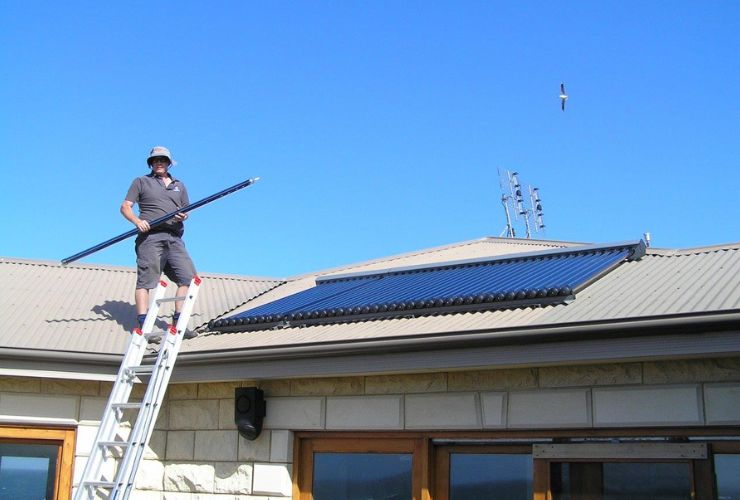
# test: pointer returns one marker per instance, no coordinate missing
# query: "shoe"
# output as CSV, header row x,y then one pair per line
x,y
189,334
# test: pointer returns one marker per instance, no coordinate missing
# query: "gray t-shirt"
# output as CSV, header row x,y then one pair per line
x,y
156,200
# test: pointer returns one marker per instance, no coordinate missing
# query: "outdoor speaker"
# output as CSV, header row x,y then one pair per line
x,y
249,410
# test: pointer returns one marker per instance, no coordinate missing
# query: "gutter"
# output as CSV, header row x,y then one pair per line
x,y
60,356
696,323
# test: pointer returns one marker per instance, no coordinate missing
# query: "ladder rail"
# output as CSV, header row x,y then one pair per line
x,y
155,393
147,410
121,391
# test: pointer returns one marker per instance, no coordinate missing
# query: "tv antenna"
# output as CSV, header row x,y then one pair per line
x,y
528,212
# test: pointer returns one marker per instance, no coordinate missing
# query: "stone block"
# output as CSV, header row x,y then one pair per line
x,y
180,445
403,384
182,391
162,422
233,478
216,445
487,380
189,478
145,495
70,387
91,409
39,406
364,412
20,384
217,390
295,413
493,407
157,446
442,411
150,475
692,370
549,408
85,437
654,405
590,375
272,480
281,447
331,386
275,388
190,414
226,414
257,450
722,404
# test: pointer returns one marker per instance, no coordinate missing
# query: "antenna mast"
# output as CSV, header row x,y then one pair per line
x,y
509,229
515,201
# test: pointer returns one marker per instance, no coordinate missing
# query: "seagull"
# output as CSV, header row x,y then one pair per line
x,y
563,96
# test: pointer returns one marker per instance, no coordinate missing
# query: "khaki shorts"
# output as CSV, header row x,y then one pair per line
x,y
162,252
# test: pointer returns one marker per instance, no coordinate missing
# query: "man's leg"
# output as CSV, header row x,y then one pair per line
x,y
141,297
182,291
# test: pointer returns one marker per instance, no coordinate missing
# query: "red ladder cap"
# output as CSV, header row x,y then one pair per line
x,y
138,331
197,280
173,330
163,283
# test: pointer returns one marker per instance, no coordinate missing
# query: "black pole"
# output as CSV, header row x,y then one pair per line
x,y
160,220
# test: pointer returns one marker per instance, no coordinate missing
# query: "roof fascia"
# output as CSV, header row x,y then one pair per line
x,y
662,325
597,350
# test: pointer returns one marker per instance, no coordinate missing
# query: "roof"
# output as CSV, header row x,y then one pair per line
x,y
663,283
83,310
90,308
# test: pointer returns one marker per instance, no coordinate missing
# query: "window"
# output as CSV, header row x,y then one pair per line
x,y
36,463
351,468
726,465
591,464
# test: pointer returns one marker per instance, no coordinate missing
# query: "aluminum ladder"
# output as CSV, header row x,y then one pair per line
x,y
111,469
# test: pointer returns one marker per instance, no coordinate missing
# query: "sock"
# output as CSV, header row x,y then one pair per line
x,y
140,318
175,318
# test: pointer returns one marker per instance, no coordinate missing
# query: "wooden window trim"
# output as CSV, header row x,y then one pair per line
x,y
442,462
436,450
62,437
305,447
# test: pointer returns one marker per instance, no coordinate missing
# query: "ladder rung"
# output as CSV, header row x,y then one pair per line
x,y
141,369
110,444
171,299
126,406
99,484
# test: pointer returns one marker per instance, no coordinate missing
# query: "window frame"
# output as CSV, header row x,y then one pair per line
x,y
62,437
305,445
442,462
431,451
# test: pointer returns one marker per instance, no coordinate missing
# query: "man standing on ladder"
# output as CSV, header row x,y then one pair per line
x,y
160,249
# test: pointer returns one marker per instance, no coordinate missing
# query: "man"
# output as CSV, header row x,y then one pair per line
x,y
159,249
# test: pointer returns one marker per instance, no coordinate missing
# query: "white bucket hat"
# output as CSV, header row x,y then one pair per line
x,y
160,151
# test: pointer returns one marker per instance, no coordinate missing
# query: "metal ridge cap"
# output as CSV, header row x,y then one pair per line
x,y
469,338
480,260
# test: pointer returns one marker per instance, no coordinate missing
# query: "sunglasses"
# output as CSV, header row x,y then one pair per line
x,y
159,159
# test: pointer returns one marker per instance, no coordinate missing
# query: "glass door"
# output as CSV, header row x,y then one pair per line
x,y
621,481
622,471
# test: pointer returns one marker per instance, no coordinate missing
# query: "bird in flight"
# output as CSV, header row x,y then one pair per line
x,y
563,96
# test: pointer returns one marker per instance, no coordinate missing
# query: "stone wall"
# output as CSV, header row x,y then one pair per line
x,y
196,451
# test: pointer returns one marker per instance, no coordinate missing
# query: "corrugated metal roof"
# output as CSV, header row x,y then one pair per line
x,y
89,308
663,282
84,308
536,278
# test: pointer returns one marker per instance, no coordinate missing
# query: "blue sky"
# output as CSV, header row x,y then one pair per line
x,y
376,127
